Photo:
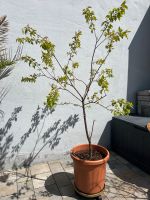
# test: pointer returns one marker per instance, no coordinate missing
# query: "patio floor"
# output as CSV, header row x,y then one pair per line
x,y
53,181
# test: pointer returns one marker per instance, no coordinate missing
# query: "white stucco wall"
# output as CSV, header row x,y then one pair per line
x,y
59,19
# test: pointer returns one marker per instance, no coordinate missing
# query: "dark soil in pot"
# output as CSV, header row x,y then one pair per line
x,y
84,155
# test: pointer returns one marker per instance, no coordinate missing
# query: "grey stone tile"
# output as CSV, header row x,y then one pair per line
x,y
39,168
56,167
23,179
50,192
70,173
108,169
68,191
61,179
104,196
7,178
7,189
69,198
141,194
67,164
55,182
9,198
23,174
25,189
112,193
77,197
49,198
41,179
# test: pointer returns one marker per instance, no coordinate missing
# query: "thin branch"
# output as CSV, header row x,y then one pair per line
x,y
69,92
69,103
101,65
101,42
102,33
68,77
95,102
59,63
43,74
55,79
90,83
95,35
85,122
93,59
61,86
69,60
92,129
80,80
106,107
92,78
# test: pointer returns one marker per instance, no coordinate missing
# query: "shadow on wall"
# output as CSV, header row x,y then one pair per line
x,y
139,60
6,138
51,137
105,139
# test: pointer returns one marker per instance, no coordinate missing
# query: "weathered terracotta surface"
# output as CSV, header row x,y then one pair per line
x,y
89,175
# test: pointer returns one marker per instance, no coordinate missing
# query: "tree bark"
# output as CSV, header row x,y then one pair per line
x,y
86,130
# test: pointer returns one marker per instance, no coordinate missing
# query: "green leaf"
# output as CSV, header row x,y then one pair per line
x,y
90,18
75,44
53,97
100,61
103,80
75,65
121,107
30,79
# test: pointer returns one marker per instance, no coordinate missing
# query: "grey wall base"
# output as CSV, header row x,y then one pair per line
x,y
39,159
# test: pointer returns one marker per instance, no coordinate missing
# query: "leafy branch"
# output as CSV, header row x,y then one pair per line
x,y
66,81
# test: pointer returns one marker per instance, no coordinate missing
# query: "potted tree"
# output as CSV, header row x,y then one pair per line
x,y
89,159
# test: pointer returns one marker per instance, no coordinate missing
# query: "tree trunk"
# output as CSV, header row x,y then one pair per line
x,y
86,130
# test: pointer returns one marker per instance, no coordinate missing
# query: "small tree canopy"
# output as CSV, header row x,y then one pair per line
x,y
105,34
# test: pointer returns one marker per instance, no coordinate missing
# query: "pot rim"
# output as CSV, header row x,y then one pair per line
x,y
91,162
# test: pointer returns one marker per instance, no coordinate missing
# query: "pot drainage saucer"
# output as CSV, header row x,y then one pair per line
x,y
88,195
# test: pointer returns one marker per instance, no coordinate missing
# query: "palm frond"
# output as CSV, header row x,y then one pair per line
x,y
5,72
6,59
3,30
3,93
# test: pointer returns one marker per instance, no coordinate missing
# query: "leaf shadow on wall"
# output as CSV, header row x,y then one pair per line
x,y
6,138
51,137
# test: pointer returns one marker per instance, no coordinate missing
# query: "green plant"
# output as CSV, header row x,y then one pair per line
x,y
67,81
6,60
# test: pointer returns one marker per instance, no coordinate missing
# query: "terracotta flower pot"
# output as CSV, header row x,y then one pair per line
x,y
89,176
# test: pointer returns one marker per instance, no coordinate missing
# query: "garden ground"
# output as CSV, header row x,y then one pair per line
x,y
54,181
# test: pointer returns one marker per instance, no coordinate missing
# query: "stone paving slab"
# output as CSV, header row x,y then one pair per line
x,y
56,167
39,168
49,193
6,190
54,181
39,180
